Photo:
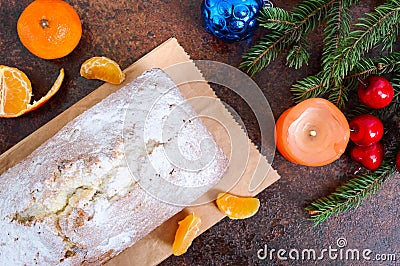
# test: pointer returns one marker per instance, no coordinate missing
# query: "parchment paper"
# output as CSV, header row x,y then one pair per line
x,y
156,246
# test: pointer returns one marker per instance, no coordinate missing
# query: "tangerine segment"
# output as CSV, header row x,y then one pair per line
x,y
102,68
15,91
49,29
237,207
186,233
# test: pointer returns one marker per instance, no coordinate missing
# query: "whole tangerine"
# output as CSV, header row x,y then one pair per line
x,y
49,29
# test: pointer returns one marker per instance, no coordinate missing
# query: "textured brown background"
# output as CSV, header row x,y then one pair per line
x,y
127,30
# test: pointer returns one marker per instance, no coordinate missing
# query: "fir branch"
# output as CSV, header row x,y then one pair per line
x,y
309,87
373,30
358,110
390,37
262,53
339,95
353,193
337,28
381,65
396,86
276,19
298,55
313,86
305,17
309,14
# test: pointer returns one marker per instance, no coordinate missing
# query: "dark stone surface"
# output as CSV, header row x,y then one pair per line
x,y
127,30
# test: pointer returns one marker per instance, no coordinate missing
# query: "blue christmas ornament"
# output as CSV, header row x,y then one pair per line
x,y
231,20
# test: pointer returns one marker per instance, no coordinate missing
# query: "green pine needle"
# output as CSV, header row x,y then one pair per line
x,y
338,90
298,55
379,66
372,30
353,193
344,62
337,28
339,95
309,87
310,13
264,52
288,30
276,19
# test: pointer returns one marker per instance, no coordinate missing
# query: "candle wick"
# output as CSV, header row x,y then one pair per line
x,y
313,133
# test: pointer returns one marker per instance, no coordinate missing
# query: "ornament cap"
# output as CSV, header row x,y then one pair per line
x,y
268,3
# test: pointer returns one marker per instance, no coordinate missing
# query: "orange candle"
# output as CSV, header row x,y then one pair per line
x,y
312,133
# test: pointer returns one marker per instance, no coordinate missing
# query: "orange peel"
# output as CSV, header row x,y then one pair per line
x,y
16,92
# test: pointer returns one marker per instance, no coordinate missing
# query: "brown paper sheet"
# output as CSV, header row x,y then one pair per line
x,y
156,246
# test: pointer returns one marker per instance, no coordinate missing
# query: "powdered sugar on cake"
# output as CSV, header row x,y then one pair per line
x,y
74,199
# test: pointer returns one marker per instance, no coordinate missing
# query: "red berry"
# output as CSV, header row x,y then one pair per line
x,y
398,161
366,129
376,92
370,157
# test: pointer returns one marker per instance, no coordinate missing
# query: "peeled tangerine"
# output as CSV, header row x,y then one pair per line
x,y
312,133
237,207
186,233
16,92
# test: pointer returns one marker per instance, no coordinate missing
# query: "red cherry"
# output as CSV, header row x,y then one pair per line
x,y
376,92
398,161
370,157
366,129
